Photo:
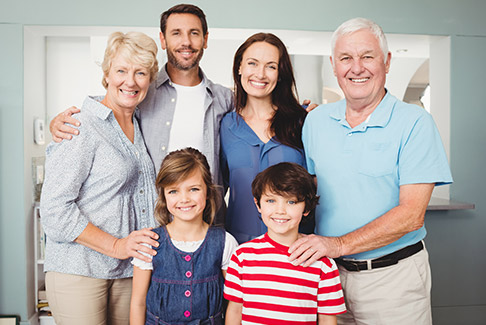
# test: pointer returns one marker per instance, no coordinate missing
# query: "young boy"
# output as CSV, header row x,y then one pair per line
x,y
262,286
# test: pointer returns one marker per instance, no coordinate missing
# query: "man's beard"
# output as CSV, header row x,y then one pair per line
x,y
184,65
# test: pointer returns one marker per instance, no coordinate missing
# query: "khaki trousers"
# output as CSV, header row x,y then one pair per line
x,y
397,294
80,300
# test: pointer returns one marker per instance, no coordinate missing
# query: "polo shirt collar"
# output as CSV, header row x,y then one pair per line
x,y
378,118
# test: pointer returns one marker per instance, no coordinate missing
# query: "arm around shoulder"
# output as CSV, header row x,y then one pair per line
x,y
59,125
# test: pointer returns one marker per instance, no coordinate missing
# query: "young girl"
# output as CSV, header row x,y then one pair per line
x,y
184,282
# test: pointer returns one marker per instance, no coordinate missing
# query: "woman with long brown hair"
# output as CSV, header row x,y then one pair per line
x,y
265,128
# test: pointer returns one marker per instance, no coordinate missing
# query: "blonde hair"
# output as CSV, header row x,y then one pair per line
x,y
136,47
176,167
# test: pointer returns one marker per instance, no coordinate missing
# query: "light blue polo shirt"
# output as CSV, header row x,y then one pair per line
x,y
360,170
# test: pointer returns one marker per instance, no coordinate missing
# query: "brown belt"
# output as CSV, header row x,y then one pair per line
x,y
384,261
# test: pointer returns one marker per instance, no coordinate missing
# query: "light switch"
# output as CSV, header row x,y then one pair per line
x,y
39,135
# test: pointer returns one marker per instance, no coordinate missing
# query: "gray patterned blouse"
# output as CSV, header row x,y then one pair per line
x,y
99,177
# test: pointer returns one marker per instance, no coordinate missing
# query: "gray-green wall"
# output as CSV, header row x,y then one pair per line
x,y
456,239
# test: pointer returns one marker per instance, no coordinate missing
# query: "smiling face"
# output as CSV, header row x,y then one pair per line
x,y
360,68
186,200
281,215
259,70
128,83
184,41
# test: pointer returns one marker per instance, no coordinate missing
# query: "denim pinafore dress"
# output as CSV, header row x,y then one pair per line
x,y
187,288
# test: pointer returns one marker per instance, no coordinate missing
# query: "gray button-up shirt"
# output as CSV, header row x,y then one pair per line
x,y
156,112
99,177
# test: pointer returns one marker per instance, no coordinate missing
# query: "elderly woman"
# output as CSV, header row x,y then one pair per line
x,y
98,197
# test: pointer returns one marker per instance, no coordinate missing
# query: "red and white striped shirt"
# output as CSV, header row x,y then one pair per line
x,y
273,291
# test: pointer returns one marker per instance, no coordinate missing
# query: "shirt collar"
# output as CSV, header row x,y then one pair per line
x,y
93,104
242,130
163,77
379,117
284,249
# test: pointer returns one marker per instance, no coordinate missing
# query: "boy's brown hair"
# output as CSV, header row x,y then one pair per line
x,y
287,179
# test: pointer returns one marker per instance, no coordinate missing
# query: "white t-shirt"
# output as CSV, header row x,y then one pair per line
x,y
188,124
230,245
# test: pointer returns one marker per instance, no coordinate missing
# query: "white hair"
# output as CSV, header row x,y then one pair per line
x,y
355,24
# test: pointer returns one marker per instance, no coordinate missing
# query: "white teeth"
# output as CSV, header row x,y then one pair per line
x,y
185,209
133,93
280,220
359,80
259,84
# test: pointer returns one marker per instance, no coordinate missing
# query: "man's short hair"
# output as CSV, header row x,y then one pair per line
x,y
287,179
184,9
355,24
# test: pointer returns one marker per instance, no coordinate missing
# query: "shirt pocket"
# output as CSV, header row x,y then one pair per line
x,y
378,159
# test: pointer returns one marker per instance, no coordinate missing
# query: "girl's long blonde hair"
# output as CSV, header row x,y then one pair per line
x,y
176,167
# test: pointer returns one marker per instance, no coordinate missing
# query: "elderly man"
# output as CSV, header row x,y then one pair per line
x,y
376,160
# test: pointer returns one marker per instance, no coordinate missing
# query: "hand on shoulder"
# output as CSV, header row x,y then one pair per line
x,y
59,127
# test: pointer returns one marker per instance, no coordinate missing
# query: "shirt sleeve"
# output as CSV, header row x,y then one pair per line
x,y
306,141
422,157
142,264
223,161
230,245
67,167
233,281
330,298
